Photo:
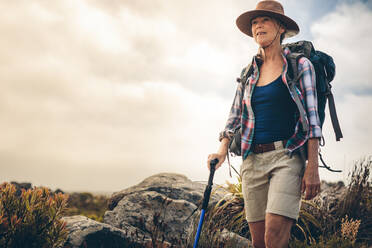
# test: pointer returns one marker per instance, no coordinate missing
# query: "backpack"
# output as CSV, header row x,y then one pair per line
x,y
324,71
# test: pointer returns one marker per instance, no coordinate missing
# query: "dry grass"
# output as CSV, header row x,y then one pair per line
x,y
346,223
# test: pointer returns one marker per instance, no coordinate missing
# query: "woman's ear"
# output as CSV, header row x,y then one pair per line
x,y
281,28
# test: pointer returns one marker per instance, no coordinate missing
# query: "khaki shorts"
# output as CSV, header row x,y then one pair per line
x,y
271,183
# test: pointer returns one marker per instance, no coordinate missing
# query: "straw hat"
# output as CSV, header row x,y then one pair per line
x,y
267,8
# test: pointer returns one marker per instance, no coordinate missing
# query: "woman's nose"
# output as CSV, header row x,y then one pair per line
x,y
259,25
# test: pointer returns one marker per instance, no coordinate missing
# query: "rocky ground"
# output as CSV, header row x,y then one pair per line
x,y
160,207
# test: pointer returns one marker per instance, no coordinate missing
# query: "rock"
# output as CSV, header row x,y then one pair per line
x,y
20,186
237,240
174,186
27,186
59,191
330,196
85,232
162,205
163,202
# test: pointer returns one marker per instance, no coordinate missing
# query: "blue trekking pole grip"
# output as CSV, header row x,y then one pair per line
x,y
207,194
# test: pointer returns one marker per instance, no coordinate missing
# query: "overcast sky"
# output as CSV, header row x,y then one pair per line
x,y
98,95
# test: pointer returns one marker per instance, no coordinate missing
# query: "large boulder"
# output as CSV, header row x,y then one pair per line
x,y
174,186
161,204
85,232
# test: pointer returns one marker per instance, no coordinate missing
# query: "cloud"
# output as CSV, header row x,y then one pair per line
x,y
87,89
345,35
175,41
357,132
152,127
98,95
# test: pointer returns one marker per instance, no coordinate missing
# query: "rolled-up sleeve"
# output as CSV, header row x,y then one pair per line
x,y
308,89
234,119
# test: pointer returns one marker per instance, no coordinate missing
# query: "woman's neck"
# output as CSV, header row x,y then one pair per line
x,y
271,53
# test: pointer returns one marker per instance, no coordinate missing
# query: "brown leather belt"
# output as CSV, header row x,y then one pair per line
x,y
261,148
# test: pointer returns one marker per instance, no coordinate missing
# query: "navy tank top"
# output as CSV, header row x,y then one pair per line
x,y
274,112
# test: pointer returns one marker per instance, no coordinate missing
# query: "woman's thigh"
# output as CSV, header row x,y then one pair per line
x,y
255,186
284,196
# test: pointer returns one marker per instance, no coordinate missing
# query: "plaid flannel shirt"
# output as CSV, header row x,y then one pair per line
x,y
241,113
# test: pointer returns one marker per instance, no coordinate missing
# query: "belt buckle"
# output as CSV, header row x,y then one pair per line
x,y
260,148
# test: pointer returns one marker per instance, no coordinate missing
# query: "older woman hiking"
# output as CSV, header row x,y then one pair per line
x,y
273,173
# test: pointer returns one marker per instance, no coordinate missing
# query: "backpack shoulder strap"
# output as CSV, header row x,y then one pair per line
x,y
293,79
244,75
292,60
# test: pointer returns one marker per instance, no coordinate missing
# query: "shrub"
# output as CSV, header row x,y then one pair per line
x,y
329,225
345,223
330,242
341,239
357,202
87,204
31,218
226,215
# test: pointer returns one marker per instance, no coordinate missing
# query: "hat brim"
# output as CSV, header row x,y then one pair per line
x,y
244,22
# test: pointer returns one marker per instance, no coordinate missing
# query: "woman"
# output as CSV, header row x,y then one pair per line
x,y
273,173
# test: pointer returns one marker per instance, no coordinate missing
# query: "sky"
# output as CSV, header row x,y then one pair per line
x,y
99,95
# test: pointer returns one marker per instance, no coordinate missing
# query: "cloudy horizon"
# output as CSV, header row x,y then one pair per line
x,y
98,95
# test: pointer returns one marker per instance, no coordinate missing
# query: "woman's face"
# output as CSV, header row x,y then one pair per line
x,y
264,30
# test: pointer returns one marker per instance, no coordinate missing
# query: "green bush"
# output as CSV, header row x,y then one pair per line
x,y
31,218
87,204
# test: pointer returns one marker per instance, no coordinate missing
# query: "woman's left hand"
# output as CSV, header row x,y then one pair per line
x,y
311,181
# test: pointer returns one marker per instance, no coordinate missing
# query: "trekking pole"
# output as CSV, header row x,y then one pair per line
x,y
207,194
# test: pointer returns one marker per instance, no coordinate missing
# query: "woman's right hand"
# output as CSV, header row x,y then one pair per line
x,y
220,156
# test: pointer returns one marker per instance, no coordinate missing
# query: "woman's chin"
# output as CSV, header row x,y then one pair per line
x,y
263,43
